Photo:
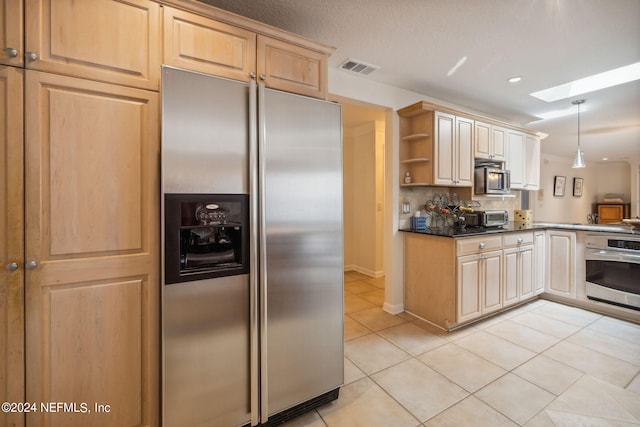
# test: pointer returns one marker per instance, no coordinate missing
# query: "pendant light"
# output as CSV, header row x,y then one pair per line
x,y
578,162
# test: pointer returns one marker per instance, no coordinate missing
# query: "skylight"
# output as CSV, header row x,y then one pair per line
x,y
557,113
604,80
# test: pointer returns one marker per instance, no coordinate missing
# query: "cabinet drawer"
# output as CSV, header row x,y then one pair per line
x,y
477,244
515,239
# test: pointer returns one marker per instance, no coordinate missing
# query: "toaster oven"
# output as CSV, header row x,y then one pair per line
x,y
492,218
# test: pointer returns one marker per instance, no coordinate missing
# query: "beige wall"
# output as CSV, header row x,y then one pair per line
x,y
364,198
599,179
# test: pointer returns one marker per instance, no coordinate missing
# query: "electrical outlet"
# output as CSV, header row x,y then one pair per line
x,y
406,208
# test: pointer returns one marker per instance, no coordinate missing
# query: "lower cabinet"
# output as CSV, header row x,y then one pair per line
x,y
518,274
539,261
479,290
561,250
452,281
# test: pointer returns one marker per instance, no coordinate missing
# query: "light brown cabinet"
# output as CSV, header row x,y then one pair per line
x,y
454,281
105,40
292,68
12,38
416,146
436,147
11,243
79,179
197,43
91,249
79,301
206,45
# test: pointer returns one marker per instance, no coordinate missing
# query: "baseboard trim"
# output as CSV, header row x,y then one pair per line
x,y
393,308
364,271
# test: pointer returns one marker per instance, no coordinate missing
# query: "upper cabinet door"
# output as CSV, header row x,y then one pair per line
x,y
464,152
292,68
483,141
532,162
498,143
200,44
515,158
444,146
106,40
11,32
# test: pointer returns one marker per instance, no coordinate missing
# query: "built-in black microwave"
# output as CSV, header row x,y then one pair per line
x,y
489,180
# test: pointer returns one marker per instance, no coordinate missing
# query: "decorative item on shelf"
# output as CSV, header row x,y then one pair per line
x,y
577,187
558,185
578,162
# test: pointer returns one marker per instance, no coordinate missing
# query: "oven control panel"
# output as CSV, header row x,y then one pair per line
x,y
623,243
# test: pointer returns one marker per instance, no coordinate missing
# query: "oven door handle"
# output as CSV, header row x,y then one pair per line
x,y
632,258
615,256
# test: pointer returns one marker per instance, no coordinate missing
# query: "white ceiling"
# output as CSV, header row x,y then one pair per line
x,y
547,42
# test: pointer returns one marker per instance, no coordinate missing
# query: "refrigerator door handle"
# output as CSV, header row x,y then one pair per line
x,y
254,275
262,251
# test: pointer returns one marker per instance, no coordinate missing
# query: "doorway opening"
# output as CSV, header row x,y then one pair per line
x,y
363,135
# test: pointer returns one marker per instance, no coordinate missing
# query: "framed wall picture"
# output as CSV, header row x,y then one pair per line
x,y
558,185
577,187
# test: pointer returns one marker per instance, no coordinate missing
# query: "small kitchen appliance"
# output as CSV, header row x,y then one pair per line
x,y
490,218
491,179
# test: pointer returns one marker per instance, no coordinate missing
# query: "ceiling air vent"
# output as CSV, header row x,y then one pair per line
x,y
358,67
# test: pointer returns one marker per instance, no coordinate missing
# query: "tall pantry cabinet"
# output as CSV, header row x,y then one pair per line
x,y
80,245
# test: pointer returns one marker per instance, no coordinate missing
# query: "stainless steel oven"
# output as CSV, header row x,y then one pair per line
x,y
613,269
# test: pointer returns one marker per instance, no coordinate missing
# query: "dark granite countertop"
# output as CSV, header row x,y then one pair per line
x,y
515,227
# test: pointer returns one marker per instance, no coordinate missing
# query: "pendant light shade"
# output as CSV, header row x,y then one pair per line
x,y
578,161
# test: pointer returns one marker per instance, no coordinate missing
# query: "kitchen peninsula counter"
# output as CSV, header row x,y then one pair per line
x,y
517,227
454,277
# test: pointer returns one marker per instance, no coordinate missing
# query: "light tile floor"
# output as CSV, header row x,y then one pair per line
x,y
539,365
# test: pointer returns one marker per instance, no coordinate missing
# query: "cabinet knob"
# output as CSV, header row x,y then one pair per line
x,y
253,75
520,240
12,266
30,56
481,245
32,265
263,77
11,52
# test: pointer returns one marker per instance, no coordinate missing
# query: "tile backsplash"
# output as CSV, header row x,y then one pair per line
x,y
418,196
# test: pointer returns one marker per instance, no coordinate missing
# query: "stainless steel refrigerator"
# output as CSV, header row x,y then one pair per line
x,y
252,283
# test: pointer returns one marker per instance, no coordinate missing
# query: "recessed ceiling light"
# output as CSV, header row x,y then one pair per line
x,y
515,79
604,80
605,158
